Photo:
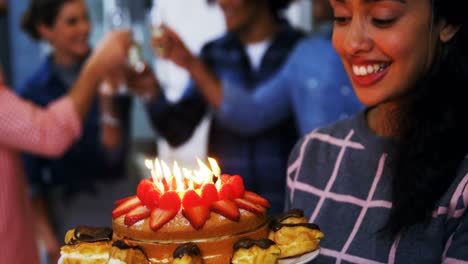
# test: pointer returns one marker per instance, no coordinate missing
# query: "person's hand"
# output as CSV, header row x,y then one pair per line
x,y
171,47
111,52
144,83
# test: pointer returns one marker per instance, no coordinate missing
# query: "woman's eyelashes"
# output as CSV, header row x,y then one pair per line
x,y
383,22
341,20
379,22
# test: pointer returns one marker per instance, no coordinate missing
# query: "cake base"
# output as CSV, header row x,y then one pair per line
x,y
217,250
215,239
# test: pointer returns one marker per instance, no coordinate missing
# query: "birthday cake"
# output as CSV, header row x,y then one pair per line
x,y
213,212
192,217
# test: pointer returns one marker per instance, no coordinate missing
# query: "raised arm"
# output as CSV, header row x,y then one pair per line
x,y
237,108
27,127
43,131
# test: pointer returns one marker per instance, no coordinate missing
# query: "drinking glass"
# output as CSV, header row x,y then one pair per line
x,y
117,16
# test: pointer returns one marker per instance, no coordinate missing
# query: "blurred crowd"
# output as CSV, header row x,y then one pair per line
x,y
268,88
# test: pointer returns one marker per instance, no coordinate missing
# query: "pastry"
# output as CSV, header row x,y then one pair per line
x,y
86,245
293,235
187,253
251,251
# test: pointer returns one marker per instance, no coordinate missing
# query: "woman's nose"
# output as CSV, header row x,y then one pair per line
x,y
357,39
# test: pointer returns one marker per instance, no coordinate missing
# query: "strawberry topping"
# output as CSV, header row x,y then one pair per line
x,y
224,178
191,198
237,186
137,214
226,192
126,206
256,199
121,201
195,210
169,206
209,194
251,207
148,193
196,203
197,215
226,208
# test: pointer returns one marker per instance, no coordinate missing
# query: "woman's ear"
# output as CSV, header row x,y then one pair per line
x,y
45,32
447,31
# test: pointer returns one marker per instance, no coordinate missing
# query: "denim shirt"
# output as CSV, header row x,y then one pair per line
x,y
312,84
260,157
86,161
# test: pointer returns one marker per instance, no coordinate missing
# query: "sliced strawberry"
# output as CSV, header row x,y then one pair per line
x,y
143,188
169,206
152,198
170,201
121,201
251,207
209,194
159,217
139,213
226,192
256,199
226,208
224,178
126,206
148,193
191,199
237,186
197,215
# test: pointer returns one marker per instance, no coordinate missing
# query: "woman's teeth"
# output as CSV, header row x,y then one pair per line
x,y
369,69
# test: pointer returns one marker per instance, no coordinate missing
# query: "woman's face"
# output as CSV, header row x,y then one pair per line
x,y
69,34
239,14
385,45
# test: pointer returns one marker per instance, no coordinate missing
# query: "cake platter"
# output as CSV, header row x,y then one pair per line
x,y
302,259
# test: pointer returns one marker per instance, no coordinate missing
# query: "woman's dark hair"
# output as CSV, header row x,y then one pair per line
x,y
432,139
277,6
40,12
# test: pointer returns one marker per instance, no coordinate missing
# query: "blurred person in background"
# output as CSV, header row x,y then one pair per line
x,y
48,131
3,6
258,41
312,84
196,22
79,186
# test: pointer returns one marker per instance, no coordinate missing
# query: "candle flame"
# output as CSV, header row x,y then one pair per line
x,y
180,179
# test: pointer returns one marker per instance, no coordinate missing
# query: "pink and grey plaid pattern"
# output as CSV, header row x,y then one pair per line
x,y
25,127
339,175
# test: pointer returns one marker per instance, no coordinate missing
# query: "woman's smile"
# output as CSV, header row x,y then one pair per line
x,y
368,72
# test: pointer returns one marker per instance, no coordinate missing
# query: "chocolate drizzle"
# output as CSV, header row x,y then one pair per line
x,y
190,249
90,234
121,244
278,226
295,212
247,242
276,223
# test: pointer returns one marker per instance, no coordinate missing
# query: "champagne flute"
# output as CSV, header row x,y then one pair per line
x,y
117,16
157,20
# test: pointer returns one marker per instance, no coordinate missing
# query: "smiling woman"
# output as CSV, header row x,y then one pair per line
x,y
398,171
64,24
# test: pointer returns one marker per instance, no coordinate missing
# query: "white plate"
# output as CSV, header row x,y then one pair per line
x,y
302,259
